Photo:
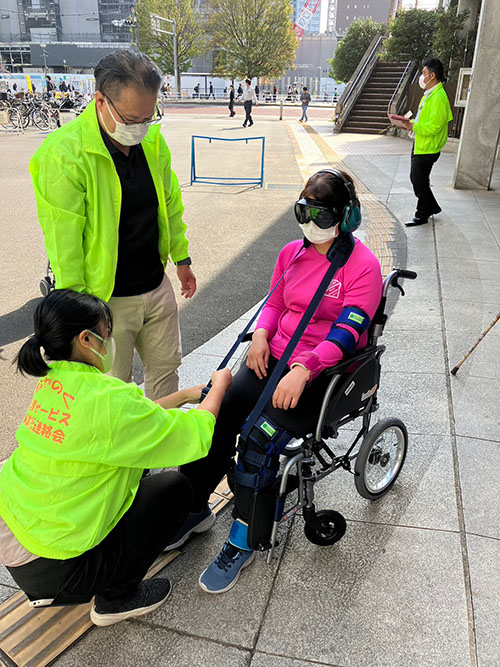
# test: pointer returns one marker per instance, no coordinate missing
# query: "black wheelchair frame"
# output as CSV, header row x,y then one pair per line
x,y
351,394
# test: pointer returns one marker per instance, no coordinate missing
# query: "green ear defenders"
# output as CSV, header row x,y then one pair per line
x,y
351,215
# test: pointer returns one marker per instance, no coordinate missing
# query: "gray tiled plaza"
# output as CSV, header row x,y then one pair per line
x,y
415,580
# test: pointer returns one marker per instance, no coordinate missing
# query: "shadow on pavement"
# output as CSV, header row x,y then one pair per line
x,y
18,324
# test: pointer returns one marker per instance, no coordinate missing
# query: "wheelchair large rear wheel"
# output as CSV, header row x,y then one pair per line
x,y
380,458
333,527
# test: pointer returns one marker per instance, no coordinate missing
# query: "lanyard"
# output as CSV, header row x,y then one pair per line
x,y
242,335
338,254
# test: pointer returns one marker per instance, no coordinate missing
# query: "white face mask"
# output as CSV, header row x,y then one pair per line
x,y
126,135
421,81
110,347
315,234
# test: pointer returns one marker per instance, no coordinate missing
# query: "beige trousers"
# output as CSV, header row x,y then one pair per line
x,y
149,323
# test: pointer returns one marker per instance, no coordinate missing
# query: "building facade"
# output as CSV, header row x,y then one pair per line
x,y
341,13
46,21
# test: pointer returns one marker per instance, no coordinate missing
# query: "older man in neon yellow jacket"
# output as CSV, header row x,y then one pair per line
x,y
111,211
431,133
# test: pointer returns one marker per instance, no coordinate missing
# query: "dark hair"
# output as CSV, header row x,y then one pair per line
x,y
126,68
248,81
304,88
61,316
436,66
329,189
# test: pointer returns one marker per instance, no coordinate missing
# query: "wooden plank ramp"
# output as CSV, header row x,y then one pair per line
x,y
34,637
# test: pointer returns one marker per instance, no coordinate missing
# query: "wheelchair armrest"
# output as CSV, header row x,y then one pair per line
x,y
247,337
368,351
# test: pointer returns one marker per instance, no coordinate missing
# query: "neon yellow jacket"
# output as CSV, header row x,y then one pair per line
x,y
82,449
78,196
431,128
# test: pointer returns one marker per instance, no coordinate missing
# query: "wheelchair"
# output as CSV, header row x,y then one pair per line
x,y
47,283
375,458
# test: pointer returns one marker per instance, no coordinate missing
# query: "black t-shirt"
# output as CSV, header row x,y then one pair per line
x,y
139,269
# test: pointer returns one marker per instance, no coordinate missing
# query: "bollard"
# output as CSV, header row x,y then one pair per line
x,y
281,109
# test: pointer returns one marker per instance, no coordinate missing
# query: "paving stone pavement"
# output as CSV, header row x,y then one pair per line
x,y
415,581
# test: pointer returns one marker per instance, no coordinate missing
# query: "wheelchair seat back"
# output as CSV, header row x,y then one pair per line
x,y
354,390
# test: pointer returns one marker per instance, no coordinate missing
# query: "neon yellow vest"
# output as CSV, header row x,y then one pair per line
x,y
82,449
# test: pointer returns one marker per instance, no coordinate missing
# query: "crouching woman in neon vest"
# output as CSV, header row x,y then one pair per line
x,y
77,517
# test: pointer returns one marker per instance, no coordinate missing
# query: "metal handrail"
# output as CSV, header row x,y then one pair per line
x,y
362,72
400,95
396,89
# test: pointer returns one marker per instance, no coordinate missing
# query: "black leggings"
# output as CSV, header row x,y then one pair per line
x,y
206,473
113,569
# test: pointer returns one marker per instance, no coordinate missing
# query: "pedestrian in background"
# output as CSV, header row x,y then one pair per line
x,y
257,91
431,134
239,91
211,91
196,91
275,91
305,98
111,211
248,98
231,102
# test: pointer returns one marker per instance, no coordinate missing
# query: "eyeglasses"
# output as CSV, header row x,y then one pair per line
x,y
152,121
310,210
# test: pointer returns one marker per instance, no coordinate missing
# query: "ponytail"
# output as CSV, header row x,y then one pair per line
x,y
29,359
58,319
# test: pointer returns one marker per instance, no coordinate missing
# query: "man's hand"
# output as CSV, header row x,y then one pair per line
x,y
187,280
290,388
258,354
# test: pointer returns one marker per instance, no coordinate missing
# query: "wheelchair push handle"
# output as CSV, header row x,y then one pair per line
x,y
393,278
402,273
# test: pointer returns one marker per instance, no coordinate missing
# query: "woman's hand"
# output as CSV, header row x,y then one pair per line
x,y
258,354
193,394
221,382
290,388
222,379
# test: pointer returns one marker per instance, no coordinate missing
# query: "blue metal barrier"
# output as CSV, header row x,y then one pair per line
x,y
227,180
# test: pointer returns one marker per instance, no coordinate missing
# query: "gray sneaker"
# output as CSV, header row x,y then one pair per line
x,y
150,595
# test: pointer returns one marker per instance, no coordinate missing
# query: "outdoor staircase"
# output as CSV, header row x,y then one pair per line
x,y
369,113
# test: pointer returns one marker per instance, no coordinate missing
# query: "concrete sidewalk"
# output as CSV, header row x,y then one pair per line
x,y
416,579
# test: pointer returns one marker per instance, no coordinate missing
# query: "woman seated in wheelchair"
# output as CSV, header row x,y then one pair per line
x,y
339,327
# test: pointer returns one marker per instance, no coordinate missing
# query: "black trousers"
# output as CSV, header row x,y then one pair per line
x,y
206,473
248,112
421,166
113,569
231,107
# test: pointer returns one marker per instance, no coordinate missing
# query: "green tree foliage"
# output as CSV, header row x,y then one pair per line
x,y
190,33
352,48
412,36
449,40
252,37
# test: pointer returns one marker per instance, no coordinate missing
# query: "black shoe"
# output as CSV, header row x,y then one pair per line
x,y
435,212
150,595
244,124
414,222
250,124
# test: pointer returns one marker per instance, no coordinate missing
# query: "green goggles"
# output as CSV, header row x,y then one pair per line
x,y
310,210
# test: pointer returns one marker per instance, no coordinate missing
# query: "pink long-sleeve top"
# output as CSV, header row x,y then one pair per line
x,y
358,283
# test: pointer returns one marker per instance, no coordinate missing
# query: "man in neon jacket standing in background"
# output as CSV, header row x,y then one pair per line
x,y
110,209
431,133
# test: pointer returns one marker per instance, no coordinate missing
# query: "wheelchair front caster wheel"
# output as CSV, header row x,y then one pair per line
x,y
333,527
380,458
45,286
